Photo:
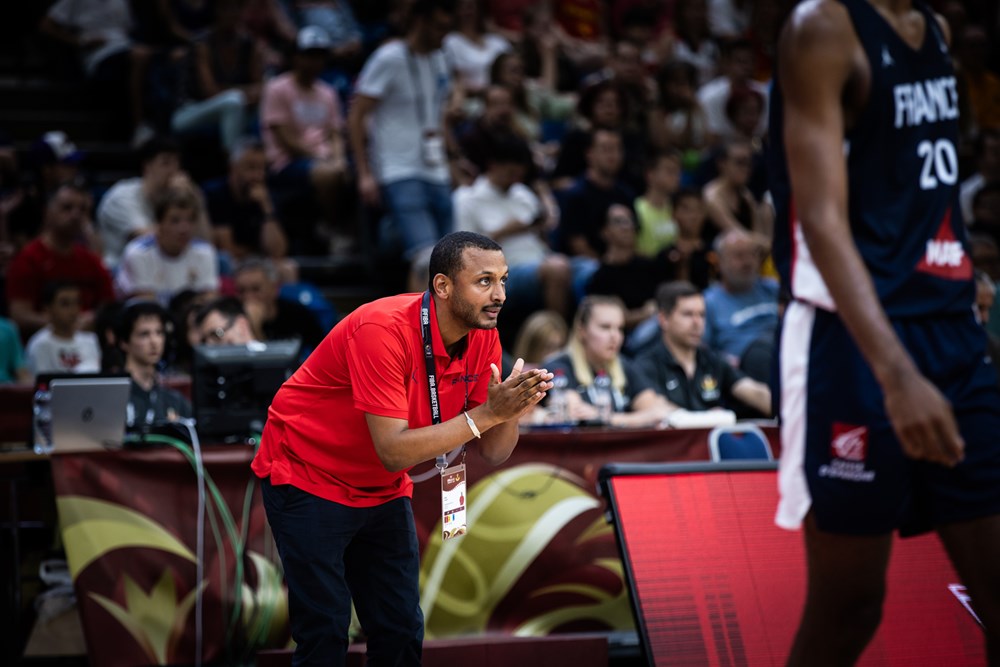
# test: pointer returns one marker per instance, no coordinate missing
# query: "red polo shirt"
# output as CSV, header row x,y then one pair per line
x,y
37,264
316,437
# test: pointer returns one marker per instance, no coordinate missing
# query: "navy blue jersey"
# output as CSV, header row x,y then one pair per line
x,y
902,166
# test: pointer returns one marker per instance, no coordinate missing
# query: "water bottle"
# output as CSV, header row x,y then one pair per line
x,y
602,398
558,401
42,421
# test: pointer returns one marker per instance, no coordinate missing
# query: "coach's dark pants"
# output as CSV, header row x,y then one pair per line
x,y
332,553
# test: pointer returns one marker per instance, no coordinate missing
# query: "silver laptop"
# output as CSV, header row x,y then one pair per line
x,y
88,414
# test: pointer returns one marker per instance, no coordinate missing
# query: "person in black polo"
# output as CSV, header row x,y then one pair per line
x,y
687,374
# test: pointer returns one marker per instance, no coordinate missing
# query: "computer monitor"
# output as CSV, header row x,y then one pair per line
x,y
714,582
232,386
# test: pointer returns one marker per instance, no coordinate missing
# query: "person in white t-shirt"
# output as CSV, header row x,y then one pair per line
x,y
170,260
499,205
60,346
470,49
737,66
396,128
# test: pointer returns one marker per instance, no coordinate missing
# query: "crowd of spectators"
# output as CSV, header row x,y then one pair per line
x,y
611,147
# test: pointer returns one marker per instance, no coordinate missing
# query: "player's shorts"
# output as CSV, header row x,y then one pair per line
x,y
840,457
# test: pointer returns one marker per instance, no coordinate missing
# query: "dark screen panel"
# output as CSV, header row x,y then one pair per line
x,y
717,583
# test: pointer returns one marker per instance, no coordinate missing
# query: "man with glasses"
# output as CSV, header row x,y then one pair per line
x,y
224,322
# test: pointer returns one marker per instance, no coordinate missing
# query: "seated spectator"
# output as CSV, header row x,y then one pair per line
x,y
223,322
476,140
737,67
125,211
680,120
53,160
694,44
745,111
275,318
986,211
657,229
986,292
12,363
302,125
57,255
244,222
602,106
689,257
593,351
622,272
742,306
731,204
141,334
60,346
687,374
500,206
987,155
586,203
170,259
985,254
337,20
470,48
542,335
228,70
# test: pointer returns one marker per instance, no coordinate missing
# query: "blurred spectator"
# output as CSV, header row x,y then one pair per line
x,y
126,209
987,169
626,70
542,334
223,322
12,363
303,126
684,372
689,256
985,254
269,22
586,203
500,206
244,222
680,121
602,106
737,67
170,259
593,351
99,30
275,318
141,334
60,346
729,19
622,272
694,44
337,20
57,255
742,306
470,49
226,82
986,292
397,132
657,229
53,160
536,102
745,113
731,204
986,210
972,47
582,31
497,119
656,15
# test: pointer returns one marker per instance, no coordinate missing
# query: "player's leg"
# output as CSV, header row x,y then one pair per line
x,y
974,548
845,590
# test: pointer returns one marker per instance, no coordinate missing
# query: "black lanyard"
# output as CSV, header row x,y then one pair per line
x,y
418,88
425,330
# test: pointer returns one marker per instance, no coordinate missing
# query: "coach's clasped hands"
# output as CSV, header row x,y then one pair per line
x,y
520,392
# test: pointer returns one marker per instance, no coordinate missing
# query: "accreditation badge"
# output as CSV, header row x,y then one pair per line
x,y
453,496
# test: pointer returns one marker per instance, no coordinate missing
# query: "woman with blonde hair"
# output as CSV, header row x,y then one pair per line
x,y
597,374
542,334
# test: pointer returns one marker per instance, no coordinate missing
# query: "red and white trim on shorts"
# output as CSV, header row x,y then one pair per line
x,y
796,339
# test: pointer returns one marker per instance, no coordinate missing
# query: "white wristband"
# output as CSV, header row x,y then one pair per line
x,y
472,425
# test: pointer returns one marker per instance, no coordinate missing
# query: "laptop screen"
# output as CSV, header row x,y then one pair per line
x,y
715,582
88,414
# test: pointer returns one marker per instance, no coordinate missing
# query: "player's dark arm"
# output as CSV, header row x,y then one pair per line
x,y
818,52
400,447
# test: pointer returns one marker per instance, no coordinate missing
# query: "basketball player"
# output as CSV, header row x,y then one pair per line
x,y
890,411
